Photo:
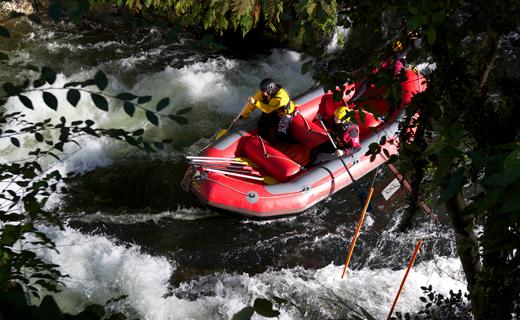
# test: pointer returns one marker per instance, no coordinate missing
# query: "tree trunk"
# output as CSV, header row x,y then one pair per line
x,y
492,295
467,249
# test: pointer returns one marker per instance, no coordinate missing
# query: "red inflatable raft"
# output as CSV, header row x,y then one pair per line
x,y
243,173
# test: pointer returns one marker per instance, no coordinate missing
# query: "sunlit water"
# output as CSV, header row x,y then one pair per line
x,y
191,262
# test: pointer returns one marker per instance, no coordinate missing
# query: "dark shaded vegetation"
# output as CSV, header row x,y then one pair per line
x,y
466,146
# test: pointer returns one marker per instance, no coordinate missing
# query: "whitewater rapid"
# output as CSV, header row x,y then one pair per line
x,y
100,268
100,265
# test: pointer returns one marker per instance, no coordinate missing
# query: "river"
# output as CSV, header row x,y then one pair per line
x,y
190,262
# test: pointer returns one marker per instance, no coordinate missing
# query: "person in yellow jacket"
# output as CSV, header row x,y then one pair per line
x,y
277,110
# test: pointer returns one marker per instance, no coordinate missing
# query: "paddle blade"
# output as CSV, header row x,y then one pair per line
x,y
221,133
270,180
247,162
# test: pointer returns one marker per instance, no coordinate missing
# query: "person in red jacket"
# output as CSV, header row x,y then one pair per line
x,y
345,132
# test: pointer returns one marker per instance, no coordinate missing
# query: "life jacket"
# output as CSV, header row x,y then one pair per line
x,y
280,102
346,135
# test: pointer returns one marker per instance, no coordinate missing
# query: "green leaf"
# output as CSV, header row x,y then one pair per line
x,y
280,300
11,89
431,35
306,67
4,32
26,102
511,205
48,308
38,83
244,314
413,10
129,108
454,185
180,120
416,21
152,117
48,75
264,308
50,100
511,174
73,96
38,136
126,96
144,99
131,140
87,83
15,142
101,80
162,104
138,132
438,17
99,101
183,111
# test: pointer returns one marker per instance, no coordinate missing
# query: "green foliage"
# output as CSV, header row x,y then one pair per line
x,y
310,19
27,183
437,306
244,314
14,305
463,128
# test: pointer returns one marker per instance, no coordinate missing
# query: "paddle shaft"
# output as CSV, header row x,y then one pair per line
x,y
354,239
234,174
237,117
354,181
417,247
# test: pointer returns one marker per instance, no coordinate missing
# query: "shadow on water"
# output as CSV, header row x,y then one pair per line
x,y
150,186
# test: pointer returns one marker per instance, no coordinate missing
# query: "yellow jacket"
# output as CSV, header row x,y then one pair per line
x,y
279,100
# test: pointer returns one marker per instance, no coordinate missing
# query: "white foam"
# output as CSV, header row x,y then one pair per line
x,y
339,38
322,294
181,213
215,86
100,269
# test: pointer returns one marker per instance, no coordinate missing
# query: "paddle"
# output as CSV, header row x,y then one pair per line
x,y
231,160
264,179
222,132
360,192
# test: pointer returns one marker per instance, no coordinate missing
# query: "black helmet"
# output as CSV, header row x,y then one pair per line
x,y
268,85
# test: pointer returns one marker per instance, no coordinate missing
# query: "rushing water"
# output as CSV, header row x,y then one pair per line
x,y
191,262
